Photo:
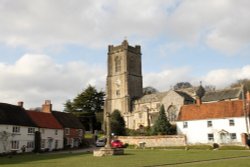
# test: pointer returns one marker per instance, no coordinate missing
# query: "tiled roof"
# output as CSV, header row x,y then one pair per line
x,y
14,115
67,120
186,96
44,120
222,95
223,109
154,97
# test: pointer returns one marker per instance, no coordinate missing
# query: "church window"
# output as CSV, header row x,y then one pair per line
x,y
117,64
117,92
172,113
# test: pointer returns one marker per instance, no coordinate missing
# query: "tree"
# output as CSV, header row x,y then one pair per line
x,y
85,105
149,90
162,126
245,82
117,123
182,85
4,138
89,101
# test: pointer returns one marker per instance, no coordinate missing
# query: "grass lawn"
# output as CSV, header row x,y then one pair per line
x,y
133,158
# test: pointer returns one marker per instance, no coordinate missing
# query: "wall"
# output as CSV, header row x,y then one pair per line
x,y
23,137
197,130
155,141
51,137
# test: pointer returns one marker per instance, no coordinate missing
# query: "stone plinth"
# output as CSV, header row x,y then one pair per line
x,y
108,151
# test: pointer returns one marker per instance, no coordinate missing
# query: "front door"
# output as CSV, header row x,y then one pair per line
x,y
224,137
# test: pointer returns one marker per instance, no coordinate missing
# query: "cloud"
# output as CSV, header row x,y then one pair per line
x,y
224,77
222,25
165,79
34,78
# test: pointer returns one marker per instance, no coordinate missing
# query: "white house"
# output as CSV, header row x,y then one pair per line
x,y
16,129
50,129
223,122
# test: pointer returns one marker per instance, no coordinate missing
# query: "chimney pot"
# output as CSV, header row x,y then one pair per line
x,y
20,103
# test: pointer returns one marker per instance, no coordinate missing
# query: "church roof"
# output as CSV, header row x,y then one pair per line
x,y
186,96
233,93
154,97
222,109
14,115
67,120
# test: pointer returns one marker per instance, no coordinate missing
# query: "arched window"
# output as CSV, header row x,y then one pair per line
x,y
117,64
172,113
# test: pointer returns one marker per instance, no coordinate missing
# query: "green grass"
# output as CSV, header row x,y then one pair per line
x,y
132,158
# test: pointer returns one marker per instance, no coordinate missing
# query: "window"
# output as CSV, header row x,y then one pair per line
x,y
15,145
117,64
80,132
172,113
231,122
30,144
117,92
185,124
233,136
56,132
210,137
43,143
67,131
31,130
209,124
16,129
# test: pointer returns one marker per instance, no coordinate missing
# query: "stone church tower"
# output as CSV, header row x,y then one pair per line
x,y
124,78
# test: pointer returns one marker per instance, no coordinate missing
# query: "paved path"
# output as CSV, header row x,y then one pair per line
x,y
84,150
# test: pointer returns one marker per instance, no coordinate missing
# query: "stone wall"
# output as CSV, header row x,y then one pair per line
x,y
155,141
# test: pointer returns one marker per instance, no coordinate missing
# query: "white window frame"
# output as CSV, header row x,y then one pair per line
x,y
43,143
233,136
15,145
210,137
16,129
31,130
67,131
56,132
231,122
185,124
30,144
209,124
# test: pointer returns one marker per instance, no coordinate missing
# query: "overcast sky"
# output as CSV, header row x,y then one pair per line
x,y
52,49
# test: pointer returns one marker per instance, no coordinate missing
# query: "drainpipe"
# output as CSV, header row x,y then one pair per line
x,y
244,110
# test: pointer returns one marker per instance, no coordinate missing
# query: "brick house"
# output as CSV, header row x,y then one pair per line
x,y
73,129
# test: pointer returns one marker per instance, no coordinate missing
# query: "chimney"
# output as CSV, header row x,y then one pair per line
x,y
198,100
47,106
20,104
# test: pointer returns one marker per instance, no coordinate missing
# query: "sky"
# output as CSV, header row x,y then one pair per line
x,y
53,49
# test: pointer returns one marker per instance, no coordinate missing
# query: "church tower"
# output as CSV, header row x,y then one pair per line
x,y
124,78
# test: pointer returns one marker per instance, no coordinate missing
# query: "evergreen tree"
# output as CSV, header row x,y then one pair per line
x,y
162,125
117,123
85,105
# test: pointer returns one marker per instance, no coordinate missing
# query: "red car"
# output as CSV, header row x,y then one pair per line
x,y
116,144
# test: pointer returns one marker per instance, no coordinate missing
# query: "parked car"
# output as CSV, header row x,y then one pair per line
x,y
101,142
116,144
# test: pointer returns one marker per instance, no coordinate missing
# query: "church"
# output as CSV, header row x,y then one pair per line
x,y
124,90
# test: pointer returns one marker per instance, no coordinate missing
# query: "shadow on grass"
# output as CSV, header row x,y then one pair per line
x,y
32,157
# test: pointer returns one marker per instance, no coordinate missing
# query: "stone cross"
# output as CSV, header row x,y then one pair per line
x,y
108,131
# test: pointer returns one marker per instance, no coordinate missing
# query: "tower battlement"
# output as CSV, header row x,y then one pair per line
x,y
124,46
